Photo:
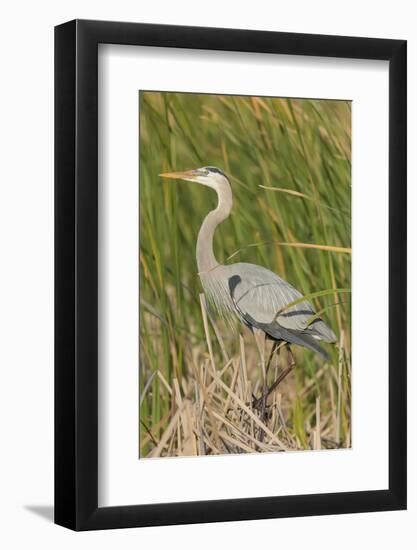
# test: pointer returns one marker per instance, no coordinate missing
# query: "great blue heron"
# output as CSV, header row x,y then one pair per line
x,y
256,295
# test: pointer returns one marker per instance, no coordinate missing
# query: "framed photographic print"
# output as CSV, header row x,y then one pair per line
x,y
230,274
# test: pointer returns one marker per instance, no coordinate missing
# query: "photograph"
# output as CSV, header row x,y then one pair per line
x,y
245,274
208,274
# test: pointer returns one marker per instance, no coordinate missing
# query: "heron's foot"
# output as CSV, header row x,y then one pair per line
x,y
260,403
256,403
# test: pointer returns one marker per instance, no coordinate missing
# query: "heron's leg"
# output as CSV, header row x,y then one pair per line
x,y
291,365
271,354
267,365
261,401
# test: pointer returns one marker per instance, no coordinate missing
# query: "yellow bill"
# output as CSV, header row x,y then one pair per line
x,y
179,175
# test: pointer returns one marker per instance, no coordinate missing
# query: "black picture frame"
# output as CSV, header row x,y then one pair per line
x,y
76,272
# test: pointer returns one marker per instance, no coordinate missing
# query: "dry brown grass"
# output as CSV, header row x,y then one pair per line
x,y
212,412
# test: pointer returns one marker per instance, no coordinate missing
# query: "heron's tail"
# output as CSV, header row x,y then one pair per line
x,y
309,342
323,331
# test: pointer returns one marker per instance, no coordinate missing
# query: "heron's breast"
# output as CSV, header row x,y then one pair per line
x,y
217,294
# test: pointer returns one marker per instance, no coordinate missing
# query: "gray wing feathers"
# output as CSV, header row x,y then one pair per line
x,y
290,336
262,294
257,295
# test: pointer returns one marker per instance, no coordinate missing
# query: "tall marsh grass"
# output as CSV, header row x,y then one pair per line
x,y
289,163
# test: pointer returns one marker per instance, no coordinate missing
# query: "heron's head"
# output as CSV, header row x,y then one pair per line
x,y
208,175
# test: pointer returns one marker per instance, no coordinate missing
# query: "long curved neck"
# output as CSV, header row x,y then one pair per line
x,y
206,259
